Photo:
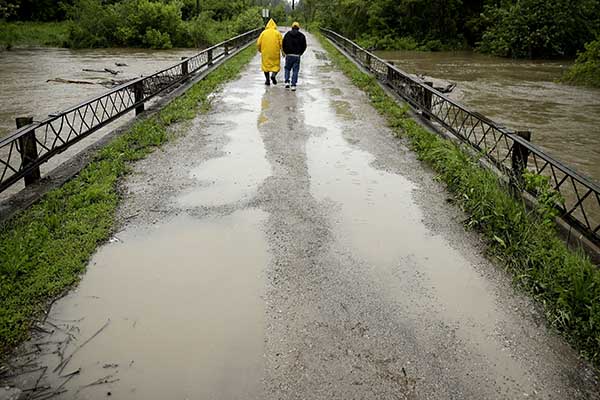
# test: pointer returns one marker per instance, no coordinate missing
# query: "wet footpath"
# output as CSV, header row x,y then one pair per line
x,y
286,246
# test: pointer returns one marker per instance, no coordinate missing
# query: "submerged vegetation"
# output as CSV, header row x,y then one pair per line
x,y
34,34
44,249
586,70
565,282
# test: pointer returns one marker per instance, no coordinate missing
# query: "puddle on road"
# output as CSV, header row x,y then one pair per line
x,y
380,221
186,313
237,175
342,109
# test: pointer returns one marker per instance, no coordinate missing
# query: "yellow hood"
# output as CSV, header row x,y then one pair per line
x,y
271,24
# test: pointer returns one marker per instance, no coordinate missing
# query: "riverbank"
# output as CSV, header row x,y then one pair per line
x,y
44,250
33,34
586,71
565,282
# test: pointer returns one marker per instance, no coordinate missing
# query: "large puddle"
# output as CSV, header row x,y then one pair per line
x,y
379,220
236,175
178,315
523,95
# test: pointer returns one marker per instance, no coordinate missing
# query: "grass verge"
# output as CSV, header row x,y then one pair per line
x,y
566,283
53,34
44,249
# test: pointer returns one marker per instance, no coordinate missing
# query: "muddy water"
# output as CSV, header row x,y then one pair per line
x,y
237,174
24,90
24,73
380,221
523,95
184,313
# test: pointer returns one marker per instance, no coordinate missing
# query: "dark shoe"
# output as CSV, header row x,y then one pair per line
x,y
274,80
267,83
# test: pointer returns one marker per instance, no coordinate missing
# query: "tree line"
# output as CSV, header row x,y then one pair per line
x,y
510,28
145,23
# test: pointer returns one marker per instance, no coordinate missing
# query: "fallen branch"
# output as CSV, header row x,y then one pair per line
x,y
61,80
110,71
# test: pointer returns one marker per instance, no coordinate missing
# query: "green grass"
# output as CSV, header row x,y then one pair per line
x,y
44,249
54,34
566,283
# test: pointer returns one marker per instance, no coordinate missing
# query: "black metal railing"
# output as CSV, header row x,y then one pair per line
x,y
24,151
509,151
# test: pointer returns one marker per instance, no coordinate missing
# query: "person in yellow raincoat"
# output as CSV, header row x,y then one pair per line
x,y
269,46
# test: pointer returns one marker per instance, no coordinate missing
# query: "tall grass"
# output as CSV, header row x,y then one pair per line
x,y
565,282
44,249
53,34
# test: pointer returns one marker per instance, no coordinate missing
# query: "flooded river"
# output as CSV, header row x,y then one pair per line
x,y
24,75
28,86
523,95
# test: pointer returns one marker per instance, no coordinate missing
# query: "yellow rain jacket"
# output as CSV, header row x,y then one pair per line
x,y
269,45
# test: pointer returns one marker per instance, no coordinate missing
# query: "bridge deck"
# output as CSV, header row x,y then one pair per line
x,y
286,246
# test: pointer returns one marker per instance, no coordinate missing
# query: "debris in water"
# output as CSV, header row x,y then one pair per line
x,y
64,363
78,82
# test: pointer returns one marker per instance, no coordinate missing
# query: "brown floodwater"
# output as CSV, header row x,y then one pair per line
x,y
24,73
522,95
25,90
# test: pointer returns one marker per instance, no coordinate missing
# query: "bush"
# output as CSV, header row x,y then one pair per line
x,y
157,40
127,23
538,28
248,20
586,70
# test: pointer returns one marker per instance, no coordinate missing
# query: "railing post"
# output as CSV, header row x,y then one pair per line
x,y
520,157
138,92
29,153
368,61
427,100
185,67
226,50
210,58
390,75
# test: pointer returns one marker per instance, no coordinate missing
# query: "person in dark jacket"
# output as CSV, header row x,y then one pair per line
x,y
294,45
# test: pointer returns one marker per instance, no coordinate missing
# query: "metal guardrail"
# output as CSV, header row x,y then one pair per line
x,y
22,152
507,150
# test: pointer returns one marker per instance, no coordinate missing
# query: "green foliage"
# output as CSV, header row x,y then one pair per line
x,y
128,23
147,23
44,249
565,282
539,28
586,70
512,28
33,34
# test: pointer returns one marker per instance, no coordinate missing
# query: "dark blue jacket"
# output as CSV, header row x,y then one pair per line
x,y
294,42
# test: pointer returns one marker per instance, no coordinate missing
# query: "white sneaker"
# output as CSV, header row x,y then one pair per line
x,y
287,85
293,88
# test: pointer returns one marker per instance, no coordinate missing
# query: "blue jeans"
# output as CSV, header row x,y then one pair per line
x,y
292,63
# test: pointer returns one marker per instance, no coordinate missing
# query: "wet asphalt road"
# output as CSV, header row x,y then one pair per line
x,y
286,246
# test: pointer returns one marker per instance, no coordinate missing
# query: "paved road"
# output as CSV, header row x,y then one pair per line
x,y
287,247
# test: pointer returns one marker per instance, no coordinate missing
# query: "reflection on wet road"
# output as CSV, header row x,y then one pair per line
x,y
287,246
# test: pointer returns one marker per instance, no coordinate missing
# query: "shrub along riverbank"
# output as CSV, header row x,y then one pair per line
x,y
131,23
566,283
586,71
44,249
55,34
